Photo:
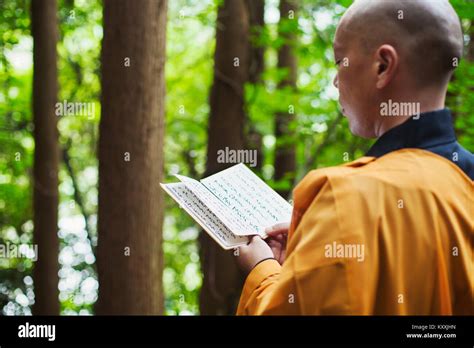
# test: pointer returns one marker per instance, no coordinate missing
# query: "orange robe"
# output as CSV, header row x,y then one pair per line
x,y
389,235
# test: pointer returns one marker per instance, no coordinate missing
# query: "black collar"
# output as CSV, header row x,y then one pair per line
x,y
430,130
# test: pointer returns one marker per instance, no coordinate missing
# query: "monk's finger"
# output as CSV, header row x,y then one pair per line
x,y
277,229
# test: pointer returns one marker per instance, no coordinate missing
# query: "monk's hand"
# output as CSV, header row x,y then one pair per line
x,y
277,237
254,252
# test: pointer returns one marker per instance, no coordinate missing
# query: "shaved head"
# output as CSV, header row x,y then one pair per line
x,y
427,34
397,51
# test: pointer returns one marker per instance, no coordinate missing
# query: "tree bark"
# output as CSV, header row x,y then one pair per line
x,y
285,160
130,261
223,280
46,157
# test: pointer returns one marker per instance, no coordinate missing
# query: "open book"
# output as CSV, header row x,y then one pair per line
x,y
230,205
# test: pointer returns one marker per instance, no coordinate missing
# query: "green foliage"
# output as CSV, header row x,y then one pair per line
x,y
461,102
80,27
464,8
16,157
189,74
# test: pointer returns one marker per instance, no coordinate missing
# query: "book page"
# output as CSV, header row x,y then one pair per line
x,y
203,216
226,214
249,197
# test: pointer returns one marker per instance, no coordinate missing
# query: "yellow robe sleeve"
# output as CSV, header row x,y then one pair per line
x,y
308,282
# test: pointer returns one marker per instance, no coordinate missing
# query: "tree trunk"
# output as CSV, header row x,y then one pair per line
x,y
46,157
130,261
222,281
285,161
256,11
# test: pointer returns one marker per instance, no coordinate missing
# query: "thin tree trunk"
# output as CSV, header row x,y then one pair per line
x,y
470,50
130,261
46,157
285,158
222,279
78,199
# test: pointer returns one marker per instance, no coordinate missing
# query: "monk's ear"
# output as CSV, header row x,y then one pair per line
x,y
386,65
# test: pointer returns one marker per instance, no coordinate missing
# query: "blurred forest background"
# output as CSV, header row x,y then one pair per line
x,y
247,74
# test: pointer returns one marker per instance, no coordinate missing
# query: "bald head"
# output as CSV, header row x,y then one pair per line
x,y
427,34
